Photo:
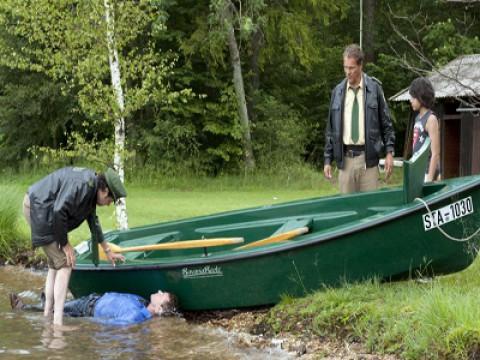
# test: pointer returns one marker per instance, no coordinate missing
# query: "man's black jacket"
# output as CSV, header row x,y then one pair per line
x,y
379,132
60,202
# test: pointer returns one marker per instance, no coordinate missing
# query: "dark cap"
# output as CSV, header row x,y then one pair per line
x,y
114,184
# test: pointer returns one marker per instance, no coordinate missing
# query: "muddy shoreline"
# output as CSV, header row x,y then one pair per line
x,y
27,259
252,329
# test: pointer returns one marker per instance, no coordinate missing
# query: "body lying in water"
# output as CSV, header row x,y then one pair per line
x,y
112,308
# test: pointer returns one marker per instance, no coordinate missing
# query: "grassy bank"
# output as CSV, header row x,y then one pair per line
x,y
433,319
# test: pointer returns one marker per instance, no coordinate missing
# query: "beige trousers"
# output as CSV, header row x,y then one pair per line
x,y
355,177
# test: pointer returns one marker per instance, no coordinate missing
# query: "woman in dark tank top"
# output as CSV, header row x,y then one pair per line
x,y
422,98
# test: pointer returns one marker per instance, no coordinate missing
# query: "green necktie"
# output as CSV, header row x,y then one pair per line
x,y
355,111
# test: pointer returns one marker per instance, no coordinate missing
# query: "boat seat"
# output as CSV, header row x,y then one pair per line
x,y
283,234
148,240
294,224
238,227
414,173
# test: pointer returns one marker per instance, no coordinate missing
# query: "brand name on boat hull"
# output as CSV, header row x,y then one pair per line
x,y
203,272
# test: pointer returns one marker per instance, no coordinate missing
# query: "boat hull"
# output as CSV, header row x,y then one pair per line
x,y
388,244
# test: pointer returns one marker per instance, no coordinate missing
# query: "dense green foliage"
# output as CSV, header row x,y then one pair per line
x,y
181,113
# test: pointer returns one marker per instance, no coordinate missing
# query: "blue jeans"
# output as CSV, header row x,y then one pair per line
x,y
81,307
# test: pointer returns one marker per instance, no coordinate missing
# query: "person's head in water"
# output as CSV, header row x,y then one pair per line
x,y
163,304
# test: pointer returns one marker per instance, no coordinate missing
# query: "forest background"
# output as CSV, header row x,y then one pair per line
x,y
183,110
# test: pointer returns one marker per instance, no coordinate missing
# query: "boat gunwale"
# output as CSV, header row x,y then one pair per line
x,y
228,256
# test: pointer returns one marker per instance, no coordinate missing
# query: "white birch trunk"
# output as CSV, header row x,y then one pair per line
x,y
121,207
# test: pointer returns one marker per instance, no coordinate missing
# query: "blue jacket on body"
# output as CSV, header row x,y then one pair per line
x,y
120,309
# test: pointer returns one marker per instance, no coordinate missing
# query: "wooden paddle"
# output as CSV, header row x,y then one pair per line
x,y
276,238
174,245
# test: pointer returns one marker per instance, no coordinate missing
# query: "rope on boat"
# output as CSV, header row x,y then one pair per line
x,y
443,231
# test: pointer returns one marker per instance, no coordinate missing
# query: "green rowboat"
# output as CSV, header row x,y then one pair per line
x,y
387,234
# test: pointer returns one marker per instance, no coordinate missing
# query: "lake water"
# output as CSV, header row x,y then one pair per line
x,y
28,335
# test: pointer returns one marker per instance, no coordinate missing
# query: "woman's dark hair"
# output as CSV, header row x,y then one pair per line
x,y
422,89
102,182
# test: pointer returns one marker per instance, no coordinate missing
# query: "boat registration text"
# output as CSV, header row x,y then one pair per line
x,y
448,213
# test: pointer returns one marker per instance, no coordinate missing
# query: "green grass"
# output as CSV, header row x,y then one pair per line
x,y
155,197
147,205
436,319
11,238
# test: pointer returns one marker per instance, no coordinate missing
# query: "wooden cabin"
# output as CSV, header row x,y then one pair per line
x,y
457,105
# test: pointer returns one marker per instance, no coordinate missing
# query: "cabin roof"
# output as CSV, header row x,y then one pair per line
x,y
459,78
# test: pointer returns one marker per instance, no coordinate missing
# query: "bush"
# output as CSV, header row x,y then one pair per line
x,y
11,240
280,133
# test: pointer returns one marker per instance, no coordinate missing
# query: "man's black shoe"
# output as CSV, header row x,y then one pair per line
x,y
15,302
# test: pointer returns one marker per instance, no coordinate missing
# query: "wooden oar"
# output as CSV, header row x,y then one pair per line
x,y
276,238
174,245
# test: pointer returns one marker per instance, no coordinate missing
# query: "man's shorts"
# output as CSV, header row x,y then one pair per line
x,y
56,258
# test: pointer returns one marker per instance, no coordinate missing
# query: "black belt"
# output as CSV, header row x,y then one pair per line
x,y
354,150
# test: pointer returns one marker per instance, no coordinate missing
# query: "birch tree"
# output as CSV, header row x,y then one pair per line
x,y
119,121
103,50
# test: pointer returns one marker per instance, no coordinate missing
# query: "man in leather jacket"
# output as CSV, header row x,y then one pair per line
x,y
57,204
359,128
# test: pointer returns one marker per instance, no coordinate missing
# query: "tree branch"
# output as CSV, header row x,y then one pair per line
x,y
429,66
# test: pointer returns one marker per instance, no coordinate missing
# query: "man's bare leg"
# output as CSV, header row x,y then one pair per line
x,y
60,294
49,288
